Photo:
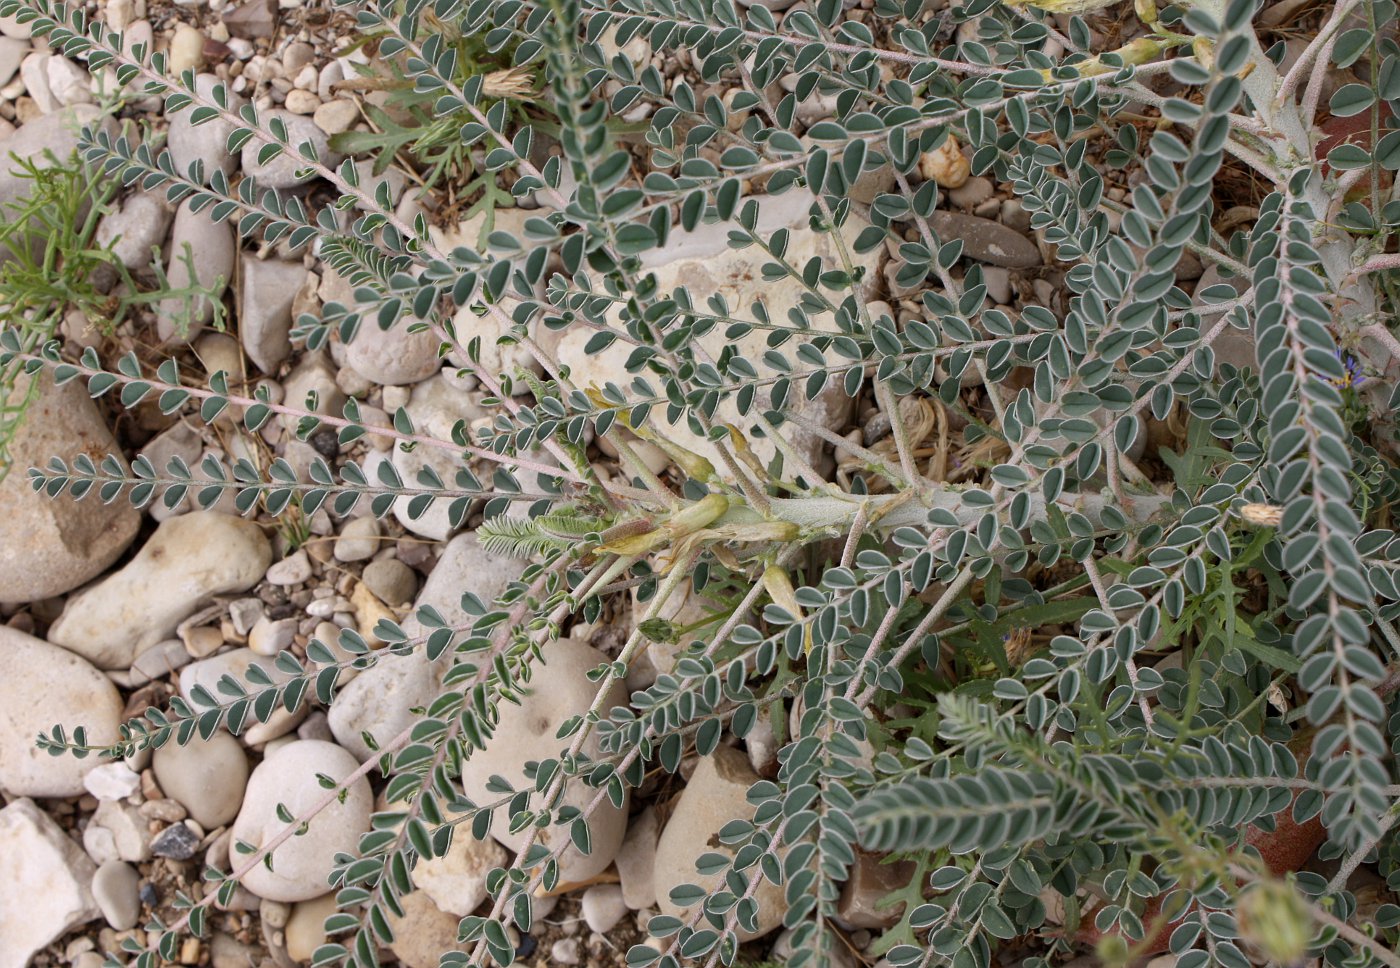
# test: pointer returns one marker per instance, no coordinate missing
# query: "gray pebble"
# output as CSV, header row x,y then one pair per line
x,y
206,777
972,192
244,614
116,887
291,570
392,582
159,661
269,637
274,913
603,906
358,540
178,842
566,951
998,282
986,241
1014,215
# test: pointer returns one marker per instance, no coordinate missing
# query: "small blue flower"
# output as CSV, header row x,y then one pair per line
x,y
1353,377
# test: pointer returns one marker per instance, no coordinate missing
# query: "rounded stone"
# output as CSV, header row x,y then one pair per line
x,y
207,777
716,794
49,546
188,560
424,932
268,292
558,690
703,260
281,172
73,693
456,881
302,864
206,142
134,227
436,406
392,582
603,907
202,258
306,929
394,356
358,540
235,663
359,708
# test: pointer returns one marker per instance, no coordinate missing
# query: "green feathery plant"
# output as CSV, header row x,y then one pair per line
x,y
1139,689
51,267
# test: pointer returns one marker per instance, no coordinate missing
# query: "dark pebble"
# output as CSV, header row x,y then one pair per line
x,y
528,944
326,442
148,894
177,842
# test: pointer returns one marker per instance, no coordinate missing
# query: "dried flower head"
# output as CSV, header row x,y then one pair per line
x,y
1065,6
513,82
1274,919
1262,515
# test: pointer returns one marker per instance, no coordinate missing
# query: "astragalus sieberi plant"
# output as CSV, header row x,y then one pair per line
x,y
965,431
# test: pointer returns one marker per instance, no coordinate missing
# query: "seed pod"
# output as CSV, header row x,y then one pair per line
x,y
697,515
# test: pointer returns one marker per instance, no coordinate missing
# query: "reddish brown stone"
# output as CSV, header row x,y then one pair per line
x,y
252,20
871,880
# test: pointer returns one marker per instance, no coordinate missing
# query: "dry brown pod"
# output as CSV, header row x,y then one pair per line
x,y
946,165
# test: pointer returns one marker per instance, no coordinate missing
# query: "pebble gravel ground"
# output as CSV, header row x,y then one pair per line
x,y
105,610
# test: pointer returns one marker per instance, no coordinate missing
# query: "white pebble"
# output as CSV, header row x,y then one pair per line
x,y
302,102
270,637
186,49
566,951
603,907
291,570
112,781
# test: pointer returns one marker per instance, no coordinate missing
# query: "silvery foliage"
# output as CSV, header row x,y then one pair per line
x,y
1075,770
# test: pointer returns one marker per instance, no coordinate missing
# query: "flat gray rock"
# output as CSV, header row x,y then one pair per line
x,y
49,546
703,263
115,887
206,142
716,794
201,259
281,172
53,134
186,562
558,690
986,241
268,287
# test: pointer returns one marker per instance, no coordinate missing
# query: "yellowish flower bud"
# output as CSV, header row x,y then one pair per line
x,y
778,584
697,515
